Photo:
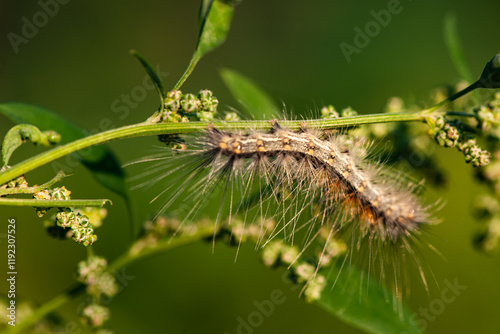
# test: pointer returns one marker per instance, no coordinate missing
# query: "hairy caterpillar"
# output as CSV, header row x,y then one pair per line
x,y
328,166
301,179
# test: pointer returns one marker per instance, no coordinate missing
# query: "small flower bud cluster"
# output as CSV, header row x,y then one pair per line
x,y
163,228
332,249
231,116
78,226
178,107
93,274
487,208
488,118
19,182
348,112
69,223
238,231
446,133
489,239
473,153
329,112
94,214
278,253
153,231
491,173
61,194
104,331
449,134
95,315
52,137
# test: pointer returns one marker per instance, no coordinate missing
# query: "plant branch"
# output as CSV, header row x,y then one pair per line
x,y
452,98
187,73
128,258
132,256
47,308
49,203
32,190
143,129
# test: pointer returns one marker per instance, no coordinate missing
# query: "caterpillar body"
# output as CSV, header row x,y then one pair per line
x,y
387,210
302,180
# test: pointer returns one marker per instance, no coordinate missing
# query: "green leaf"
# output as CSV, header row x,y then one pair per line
x,y
158,82
18,135
215,20
214,27
455,50
350,297
100,160
204,7
257,103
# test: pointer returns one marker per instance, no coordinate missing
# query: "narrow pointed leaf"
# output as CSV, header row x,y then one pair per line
x,y
215,26
215,20
455,50
204,7
158,82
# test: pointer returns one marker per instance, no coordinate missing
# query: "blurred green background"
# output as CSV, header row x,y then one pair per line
x,y
78,65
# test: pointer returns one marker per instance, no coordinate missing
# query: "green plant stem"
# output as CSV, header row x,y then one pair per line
x,y
143,129
47,308
452,98
32,190
130,256
49,203
126,259
189,70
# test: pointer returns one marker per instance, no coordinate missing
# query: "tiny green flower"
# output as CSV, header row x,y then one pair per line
x,y
231,116
95,315
348,112
172,105
329,112
271,253
314,288
190,103
174,95
205,94
304,271
60,193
